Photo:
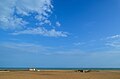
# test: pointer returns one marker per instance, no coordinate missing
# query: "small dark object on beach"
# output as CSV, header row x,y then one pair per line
x,y
79,71
84,71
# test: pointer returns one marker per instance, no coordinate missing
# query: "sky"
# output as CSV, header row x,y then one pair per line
x,y
60,33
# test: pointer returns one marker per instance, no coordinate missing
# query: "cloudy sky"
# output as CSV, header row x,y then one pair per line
x,y
60,33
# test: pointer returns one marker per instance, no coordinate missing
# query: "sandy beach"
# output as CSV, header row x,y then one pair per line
x,y
60,75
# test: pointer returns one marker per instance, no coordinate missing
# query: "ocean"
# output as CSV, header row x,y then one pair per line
x,y
61,68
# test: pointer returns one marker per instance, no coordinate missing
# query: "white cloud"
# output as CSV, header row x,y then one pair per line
x,y
79,43
113,41
36,48
70,52
58,24
115,44
24,7
113,37
8,19
8,8
87,59
12,13
25,47
43,31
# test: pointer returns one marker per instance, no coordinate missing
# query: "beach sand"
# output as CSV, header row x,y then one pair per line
x,y
60,75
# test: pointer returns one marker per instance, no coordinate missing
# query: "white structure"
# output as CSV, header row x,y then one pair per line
x,y
38,70
32,69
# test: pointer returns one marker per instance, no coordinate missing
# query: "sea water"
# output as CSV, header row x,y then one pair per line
x,y
61,68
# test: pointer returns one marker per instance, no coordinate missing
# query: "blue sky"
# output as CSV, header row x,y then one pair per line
x,y
60,33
